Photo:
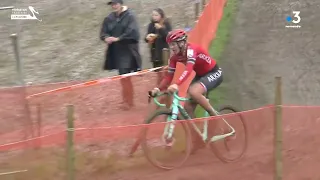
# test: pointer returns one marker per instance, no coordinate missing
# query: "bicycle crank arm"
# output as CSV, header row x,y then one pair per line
x,y
219,137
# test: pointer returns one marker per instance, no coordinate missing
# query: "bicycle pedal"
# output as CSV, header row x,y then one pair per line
x,y
232,137
169,142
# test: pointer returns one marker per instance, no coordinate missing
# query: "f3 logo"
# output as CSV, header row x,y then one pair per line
x,y
297,17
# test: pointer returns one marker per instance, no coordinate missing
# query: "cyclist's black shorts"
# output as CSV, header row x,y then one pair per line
x,y
211,80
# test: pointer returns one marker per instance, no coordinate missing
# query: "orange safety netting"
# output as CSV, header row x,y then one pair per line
x,y
24,116
106,129
103,151
205,29
101,105
19,115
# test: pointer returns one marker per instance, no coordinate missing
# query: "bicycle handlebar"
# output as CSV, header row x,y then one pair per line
x,y
175,95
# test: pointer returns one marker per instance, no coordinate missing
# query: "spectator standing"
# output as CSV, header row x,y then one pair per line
x,y
120,31
157,32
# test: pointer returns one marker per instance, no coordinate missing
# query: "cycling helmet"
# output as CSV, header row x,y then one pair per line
x,y
176,35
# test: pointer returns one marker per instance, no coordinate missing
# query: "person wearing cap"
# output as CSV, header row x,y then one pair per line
x,y
120,31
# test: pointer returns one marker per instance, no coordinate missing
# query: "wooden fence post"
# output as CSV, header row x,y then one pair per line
x,y
70,149
278,130
166,56
26,120
39,124
197,9
204,3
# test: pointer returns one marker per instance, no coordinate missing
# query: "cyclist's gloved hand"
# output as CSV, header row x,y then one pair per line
x,y
154,92
173,88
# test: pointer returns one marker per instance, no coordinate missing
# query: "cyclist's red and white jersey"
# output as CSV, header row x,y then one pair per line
x,y
195,58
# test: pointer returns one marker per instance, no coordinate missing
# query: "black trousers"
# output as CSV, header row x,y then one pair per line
x,y
127,70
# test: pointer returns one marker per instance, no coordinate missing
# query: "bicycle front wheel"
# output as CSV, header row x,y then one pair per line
x,y
231,148
161,151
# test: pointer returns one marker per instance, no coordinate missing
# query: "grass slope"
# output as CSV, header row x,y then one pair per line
x,y
217,47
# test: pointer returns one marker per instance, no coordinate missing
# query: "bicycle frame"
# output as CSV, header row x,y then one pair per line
x,y
176,108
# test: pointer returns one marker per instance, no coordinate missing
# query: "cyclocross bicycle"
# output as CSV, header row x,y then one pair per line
x,y
170,123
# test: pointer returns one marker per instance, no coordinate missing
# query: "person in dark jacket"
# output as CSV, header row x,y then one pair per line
x,y
120,31
156,36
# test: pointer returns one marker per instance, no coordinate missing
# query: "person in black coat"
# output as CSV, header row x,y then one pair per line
x,y
120,31
156,36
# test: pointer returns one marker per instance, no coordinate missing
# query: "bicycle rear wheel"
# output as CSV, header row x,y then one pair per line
x,y
223,148
180,149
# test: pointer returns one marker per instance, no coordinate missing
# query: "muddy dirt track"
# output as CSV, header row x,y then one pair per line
x,y
260,49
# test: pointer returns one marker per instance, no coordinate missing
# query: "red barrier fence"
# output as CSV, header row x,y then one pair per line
x,y
105,131
101,152
205,29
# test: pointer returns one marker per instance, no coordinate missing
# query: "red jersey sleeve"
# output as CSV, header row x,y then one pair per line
x,y
191,60
169,75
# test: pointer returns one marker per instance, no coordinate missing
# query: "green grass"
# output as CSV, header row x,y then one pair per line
x,y
217,47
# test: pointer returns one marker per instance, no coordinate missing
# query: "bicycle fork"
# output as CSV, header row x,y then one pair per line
x,y
169,128
170,125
